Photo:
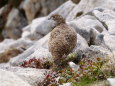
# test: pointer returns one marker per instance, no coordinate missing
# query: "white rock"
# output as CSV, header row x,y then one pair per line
x,y
81,43
31,7
66,84
107,17
88,27
73,66
109,41
15,24
86,6
43,26
38,50
33,76
8,78
111,81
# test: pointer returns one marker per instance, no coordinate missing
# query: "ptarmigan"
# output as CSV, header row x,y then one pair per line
x,y
62,40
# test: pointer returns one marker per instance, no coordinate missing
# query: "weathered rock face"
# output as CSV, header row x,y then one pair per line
x,y
9,78
111,81
24,76
85,6
92,29
34,8
31,8
15,23
93,21
10,48
17,14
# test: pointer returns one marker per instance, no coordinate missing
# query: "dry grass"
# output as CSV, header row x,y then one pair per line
x,y
9,53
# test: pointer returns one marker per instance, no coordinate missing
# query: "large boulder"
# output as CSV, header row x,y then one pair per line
x,y
85,6
8,78
88,27
31,8
35,8
38,50
15,23
11,48
32,76
94,40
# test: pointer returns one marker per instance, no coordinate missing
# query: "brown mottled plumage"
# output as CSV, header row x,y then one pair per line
x,y
62,40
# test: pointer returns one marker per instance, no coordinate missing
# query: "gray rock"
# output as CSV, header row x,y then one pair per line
x,y
16,21
81,44
85,6
33,76
38,50
31,8
96,51
8,78
64,9
111,81
66,84
107,18
109,42
88,27
35,8
10,48
10,43
43,26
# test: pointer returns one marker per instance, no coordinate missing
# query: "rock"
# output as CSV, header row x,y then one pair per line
x,y
4,11
5,44
37,8
91,35
18,60
38,50
8,78
73,66
81,44
106,17
10,48
33,76
43,26
31,7
101,83
64,9
9,53
111,81
96,51
109,41
26,34
10,43
38,29
48,7
66,84
85,6
99,39
13,27
88,27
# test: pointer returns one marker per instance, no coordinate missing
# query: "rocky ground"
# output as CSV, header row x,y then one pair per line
x,y
93,20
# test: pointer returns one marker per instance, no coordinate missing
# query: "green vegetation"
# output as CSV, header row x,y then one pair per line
x,y
89,72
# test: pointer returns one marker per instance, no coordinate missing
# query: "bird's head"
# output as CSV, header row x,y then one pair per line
x,y
57,18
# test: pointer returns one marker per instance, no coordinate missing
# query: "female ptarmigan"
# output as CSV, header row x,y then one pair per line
x,y
62,40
